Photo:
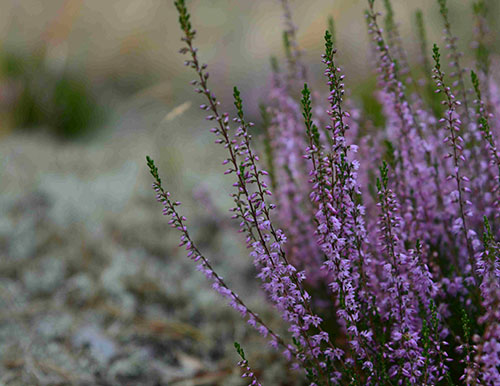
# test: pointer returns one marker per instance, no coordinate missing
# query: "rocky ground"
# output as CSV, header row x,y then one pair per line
x,y
93,290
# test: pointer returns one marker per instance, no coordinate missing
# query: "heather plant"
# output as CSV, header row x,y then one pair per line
x,y
385,277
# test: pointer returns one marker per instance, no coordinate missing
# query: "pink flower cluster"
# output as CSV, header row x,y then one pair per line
x,y
380,278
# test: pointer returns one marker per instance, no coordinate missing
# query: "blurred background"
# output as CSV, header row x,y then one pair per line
x,y
93,290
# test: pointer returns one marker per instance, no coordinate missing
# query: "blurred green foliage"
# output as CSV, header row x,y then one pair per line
x,y
371,107
36,97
